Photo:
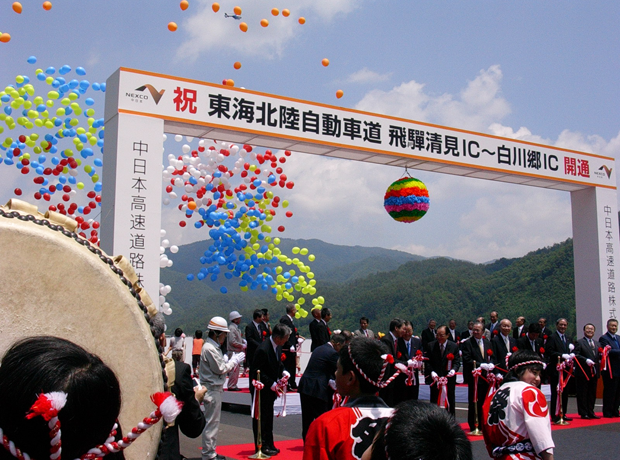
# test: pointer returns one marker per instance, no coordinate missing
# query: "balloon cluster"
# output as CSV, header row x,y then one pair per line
x,y
238,214
65,159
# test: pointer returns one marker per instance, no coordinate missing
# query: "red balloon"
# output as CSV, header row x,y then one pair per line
x,y
95,224
17,191
22,138
25,170
169,188
290,185
182,223
46,196
247,148
282,160
281,228
289,214
287,153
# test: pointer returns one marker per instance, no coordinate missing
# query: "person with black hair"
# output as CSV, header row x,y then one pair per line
x,y
346,432
177,342
444,360
289,349
419,430
315,392
517,423
254,335
196,350
322,330
314,327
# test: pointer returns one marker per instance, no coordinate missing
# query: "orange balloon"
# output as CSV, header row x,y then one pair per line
x,y
237,9
172,26
285,12
191,205
230,82
47,6
339,93
264,22
184,5
237,65
243,26
215,7
17,7
5,38
302,20
325,62
275,11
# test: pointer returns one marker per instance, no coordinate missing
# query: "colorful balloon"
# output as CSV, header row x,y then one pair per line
x,y
215,7
325,62
243,26
339,93
302,20
286,12
47,6
264,22
184,4
237,10
406,200
230,82
172,26
275,11
237,65
17,7
5,38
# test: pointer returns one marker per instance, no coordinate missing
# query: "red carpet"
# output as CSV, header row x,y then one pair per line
x,y
293,449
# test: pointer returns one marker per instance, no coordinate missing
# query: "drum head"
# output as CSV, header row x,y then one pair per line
x,y
55,283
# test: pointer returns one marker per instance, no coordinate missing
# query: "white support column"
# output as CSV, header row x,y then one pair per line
x,y
596,249
131,197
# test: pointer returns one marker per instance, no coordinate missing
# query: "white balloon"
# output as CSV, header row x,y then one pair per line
x,y
162,299
189,138
165,138
169,264
172,195
162,249
165,243
166,201
167,311
162,233
201,142
178,138
174,249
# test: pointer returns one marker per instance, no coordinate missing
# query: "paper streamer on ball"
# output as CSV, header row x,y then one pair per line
x,y
406,200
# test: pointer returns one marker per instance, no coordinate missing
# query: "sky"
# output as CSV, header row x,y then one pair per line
x,y
544,72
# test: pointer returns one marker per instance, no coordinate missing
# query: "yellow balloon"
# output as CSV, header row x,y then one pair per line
x,y
311,257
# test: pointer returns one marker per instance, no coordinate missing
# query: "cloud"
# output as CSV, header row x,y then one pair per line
x,y
366,75
478,106
209,31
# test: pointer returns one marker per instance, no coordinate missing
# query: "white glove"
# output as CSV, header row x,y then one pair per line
x,y
286,374
300,340
238,358
245,342
332,384
292,349
226,358
487,366
244,346
274,387
452,373
460,353
589,362
434,374
566,356
571,347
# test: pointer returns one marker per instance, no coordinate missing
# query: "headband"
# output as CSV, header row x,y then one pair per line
x,y
387,359
527,363
48,405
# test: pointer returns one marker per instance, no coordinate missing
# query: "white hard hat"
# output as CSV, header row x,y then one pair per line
x,y
233,315
218,323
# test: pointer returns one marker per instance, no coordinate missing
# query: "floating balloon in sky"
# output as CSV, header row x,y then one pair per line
x,y
237,10
285,12
339,93
406,200
230,82
17,7
215,7
5,38
237,65
275,11
302,20
184,5
47,6
325,62
264,22
243,26
172,26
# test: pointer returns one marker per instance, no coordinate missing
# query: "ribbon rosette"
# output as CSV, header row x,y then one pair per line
x,y
442,386
283,357
450,358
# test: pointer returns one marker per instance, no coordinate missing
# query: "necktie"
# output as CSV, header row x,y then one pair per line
x,y
591,344
365,332
563,340
443,348
481,346
409,349
507,343
395,345
533,345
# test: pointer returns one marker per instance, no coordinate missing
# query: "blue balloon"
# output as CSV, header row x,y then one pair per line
x,y
65,69
80,71
50,71
32,60
190,277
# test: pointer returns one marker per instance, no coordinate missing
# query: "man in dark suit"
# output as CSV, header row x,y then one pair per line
x,y
503,344
315,393
453,334
494,325
587,372
314,327
532,341
254,335
323,332
428,334
467,333
290,348
267,361
391,341
266,325
439,365
611,376
408,347
475,352
545,332
520,329
556,350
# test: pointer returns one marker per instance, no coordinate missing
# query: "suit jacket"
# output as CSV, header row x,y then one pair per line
x,y
360,333
515,332
457,337
320,368
471,353
465,334
493,328
523,343
583,352
438,363
292,339
387,340
270,366
614,353
191,420
427,336
314,334
414,345
324,334
254,339
554,348
500,351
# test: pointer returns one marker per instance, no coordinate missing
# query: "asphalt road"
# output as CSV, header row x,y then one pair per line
x,y
591,443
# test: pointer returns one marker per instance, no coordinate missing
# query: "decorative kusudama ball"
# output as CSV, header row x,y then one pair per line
x,y
406,200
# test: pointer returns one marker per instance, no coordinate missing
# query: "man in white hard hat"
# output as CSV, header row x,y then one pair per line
x,y
236,344
213,370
